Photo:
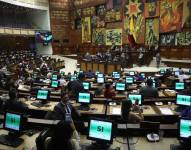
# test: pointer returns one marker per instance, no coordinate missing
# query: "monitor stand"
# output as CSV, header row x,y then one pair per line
x,y
98,146
83,107
12,139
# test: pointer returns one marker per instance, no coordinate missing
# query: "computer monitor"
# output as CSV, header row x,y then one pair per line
x,y
184,128
184,100
97,72
34,76
162,71
62,73
100,75
54,77
179,85
131,73
116,76
100,80
113,73
129,80
13,122
84,98
101,131
86,85
143,75
43,95
176,73
134,97
73,78
55,84
120,86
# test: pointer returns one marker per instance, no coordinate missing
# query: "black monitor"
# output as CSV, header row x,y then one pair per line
x,y
86,85
84,98
62,73
184,128
129,80
113,73
162,71
54,77
184,100
100,80
131,73
101,131
143,75
55,84
179,85
13,122
73,78
43,95
136,97
120,86
100,75
117,76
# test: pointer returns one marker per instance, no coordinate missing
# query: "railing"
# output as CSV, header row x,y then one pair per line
x,y
17,31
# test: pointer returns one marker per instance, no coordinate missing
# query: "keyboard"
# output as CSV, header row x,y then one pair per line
x,y
37,104
10,141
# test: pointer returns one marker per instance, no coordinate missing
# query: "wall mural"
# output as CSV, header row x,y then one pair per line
x,y
98,22
152,31
113,16
86,30
167,39
134,22
183,38
170,15
90,11
114,36
151,8
98,36
187,14
100,10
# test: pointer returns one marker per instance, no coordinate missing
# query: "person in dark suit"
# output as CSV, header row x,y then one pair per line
x,y
149,91
13,104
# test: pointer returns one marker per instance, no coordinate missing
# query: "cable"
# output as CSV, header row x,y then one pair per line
x,y
120,141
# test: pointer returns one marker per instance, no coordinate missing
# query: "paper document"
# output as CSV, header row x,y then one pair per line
x,y
166,111
116,111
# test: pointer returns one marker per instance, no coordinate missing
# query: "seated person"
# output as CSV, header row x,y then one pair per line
x,y
63,108
13,104
90,74
126,112
186,113
149,91
64,136
109,92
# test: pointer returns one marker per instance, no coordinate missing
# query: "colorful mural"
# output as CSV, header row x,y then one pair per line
x,y
113,16
98,36
170,15
114,36
152,31
98,22
167,39
100,10
134,22
152,8
183,38
187,14
86,30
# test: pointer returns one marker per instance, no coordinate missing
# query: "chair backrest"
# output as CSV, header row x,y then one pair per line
x,y
47,143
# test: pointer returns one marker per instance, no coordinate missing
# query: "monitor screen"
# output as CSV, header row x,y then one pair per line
x,y
129,79
184,128
100,80
117,76
62,73
162,71
100,130
84,98
113,73
73,78
179,85
176,73
97,72
54,77
86,85
131,73
143,75
134,97
100,75
183,100
34,75
43,94
55,84
120,86
13,121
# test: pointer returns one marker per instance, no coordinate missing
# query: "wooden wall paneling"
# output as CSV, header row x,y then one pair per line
x,y
95,67
83,66
101,67
89,66
110,68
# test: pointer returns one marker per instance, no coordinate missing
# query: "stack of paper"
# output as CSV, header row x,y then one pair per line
x,y
166,111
